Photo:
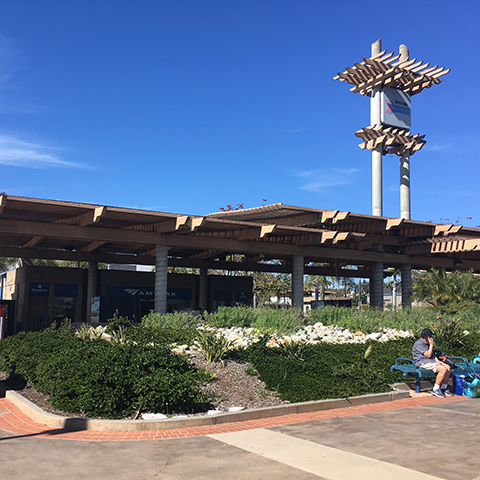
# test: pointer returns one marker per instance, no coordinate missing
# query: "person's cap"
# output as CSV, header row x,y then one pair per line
x,y
426,332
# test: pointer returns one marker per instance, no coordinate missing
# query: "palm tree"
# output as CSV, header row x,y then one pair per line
x,y
439,288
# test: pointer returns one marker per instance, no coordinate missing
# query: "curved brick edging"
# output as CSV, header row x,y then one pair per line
x,y
57,421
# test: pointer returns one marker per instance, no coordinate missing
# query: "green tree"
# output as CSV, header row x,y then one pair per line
x,y
319,284
266,285
439,288
7,263
40,262
394,284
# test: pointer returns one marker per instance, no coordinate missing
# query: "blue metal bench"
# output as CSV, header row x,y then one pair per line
x,y
475,363
408,369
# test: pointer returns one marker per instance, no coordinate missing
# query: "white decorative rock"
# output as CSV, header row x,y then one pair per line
x,y
236,409
153,416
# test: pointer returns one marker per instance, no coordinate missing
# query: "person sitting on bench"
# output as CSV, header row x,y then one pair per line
x,y
422,353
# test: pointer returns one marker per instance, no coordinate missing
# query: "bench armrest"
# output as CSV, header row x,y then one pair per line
x,y
408,360
463,359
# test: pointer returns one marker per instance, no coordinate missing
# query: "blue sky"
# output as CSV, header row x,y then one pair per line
x,y
186,106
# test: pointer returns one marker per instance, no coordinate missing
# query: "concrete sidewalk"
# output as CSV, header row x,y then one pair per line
x,y
418,438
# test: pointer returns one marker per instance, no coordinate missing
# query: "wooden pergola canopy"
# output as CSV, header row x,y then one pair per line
x,y
393,140
386,70
343,242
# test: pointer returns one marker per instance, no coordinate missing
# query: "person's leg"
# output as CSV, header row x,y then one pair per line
x,y
440,373
445,381
443,374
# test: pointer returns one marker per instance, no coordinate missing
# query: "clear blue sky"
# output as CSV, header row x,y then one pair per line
x,y
186,106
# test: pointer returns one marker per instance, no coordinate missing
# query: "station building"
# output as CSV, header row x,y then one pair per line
x,y
44,294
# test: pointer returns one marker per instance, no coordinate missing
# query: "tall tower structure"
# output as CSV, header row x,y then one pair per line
x,y
390,81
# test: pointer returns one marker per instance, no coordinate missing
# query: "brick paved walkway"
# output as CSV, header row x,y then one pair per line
x,y
14,421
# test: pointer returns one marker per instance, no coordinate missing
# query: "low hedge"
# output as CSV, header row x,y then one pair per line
x,y
102,379
322,371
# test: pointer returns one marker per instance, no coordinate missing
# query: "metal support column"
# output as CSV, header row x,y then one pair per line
x,y
161,273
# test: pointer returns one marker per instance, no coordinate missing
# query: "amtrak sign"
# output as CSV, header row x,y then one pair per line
x,y
396,108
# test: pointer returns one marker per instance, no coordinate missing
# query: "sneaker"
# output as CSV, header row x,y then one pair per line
x,y
448,393
438,393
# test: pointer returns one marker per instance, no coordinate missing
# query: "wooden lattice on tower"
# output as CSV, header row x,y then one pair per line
x,y
393,140
385,70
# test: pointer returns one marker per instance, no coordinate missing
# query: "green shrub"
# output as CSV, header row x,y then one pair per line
x,y
227,317
283,321
117,322
414,319
99,378
173,327
334,371
294,350
265,320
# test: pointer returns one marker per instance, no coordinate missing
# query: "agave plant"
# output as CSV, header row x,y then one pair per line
x,y
213,346
294,350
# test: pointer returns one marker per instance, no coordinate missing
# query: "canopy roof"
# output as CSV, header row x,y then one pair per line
x,y
35,228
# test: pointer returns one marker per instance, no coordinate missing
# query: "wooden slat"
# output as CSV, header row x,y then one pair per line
x,y
3,201
442,73
91,247
33,242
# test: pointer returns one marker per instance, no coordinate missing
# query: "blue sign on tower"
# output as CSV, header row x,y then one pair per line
x,y
396,108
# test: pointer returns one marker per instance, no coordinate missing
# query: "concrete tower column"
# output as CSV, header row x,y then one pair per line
x,y
377,190
405,208
203,289
376,285
375,119
161,273
404,53
405,211
91,287
297,281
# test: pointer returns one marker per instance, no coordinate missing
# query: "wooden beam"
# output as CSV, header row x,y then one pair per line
x,y
33,242
249,233
3,201
91,247
448,229
90,217
267,267
183,223
166,226
267,230
197,222
61,231
394,222
75,256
